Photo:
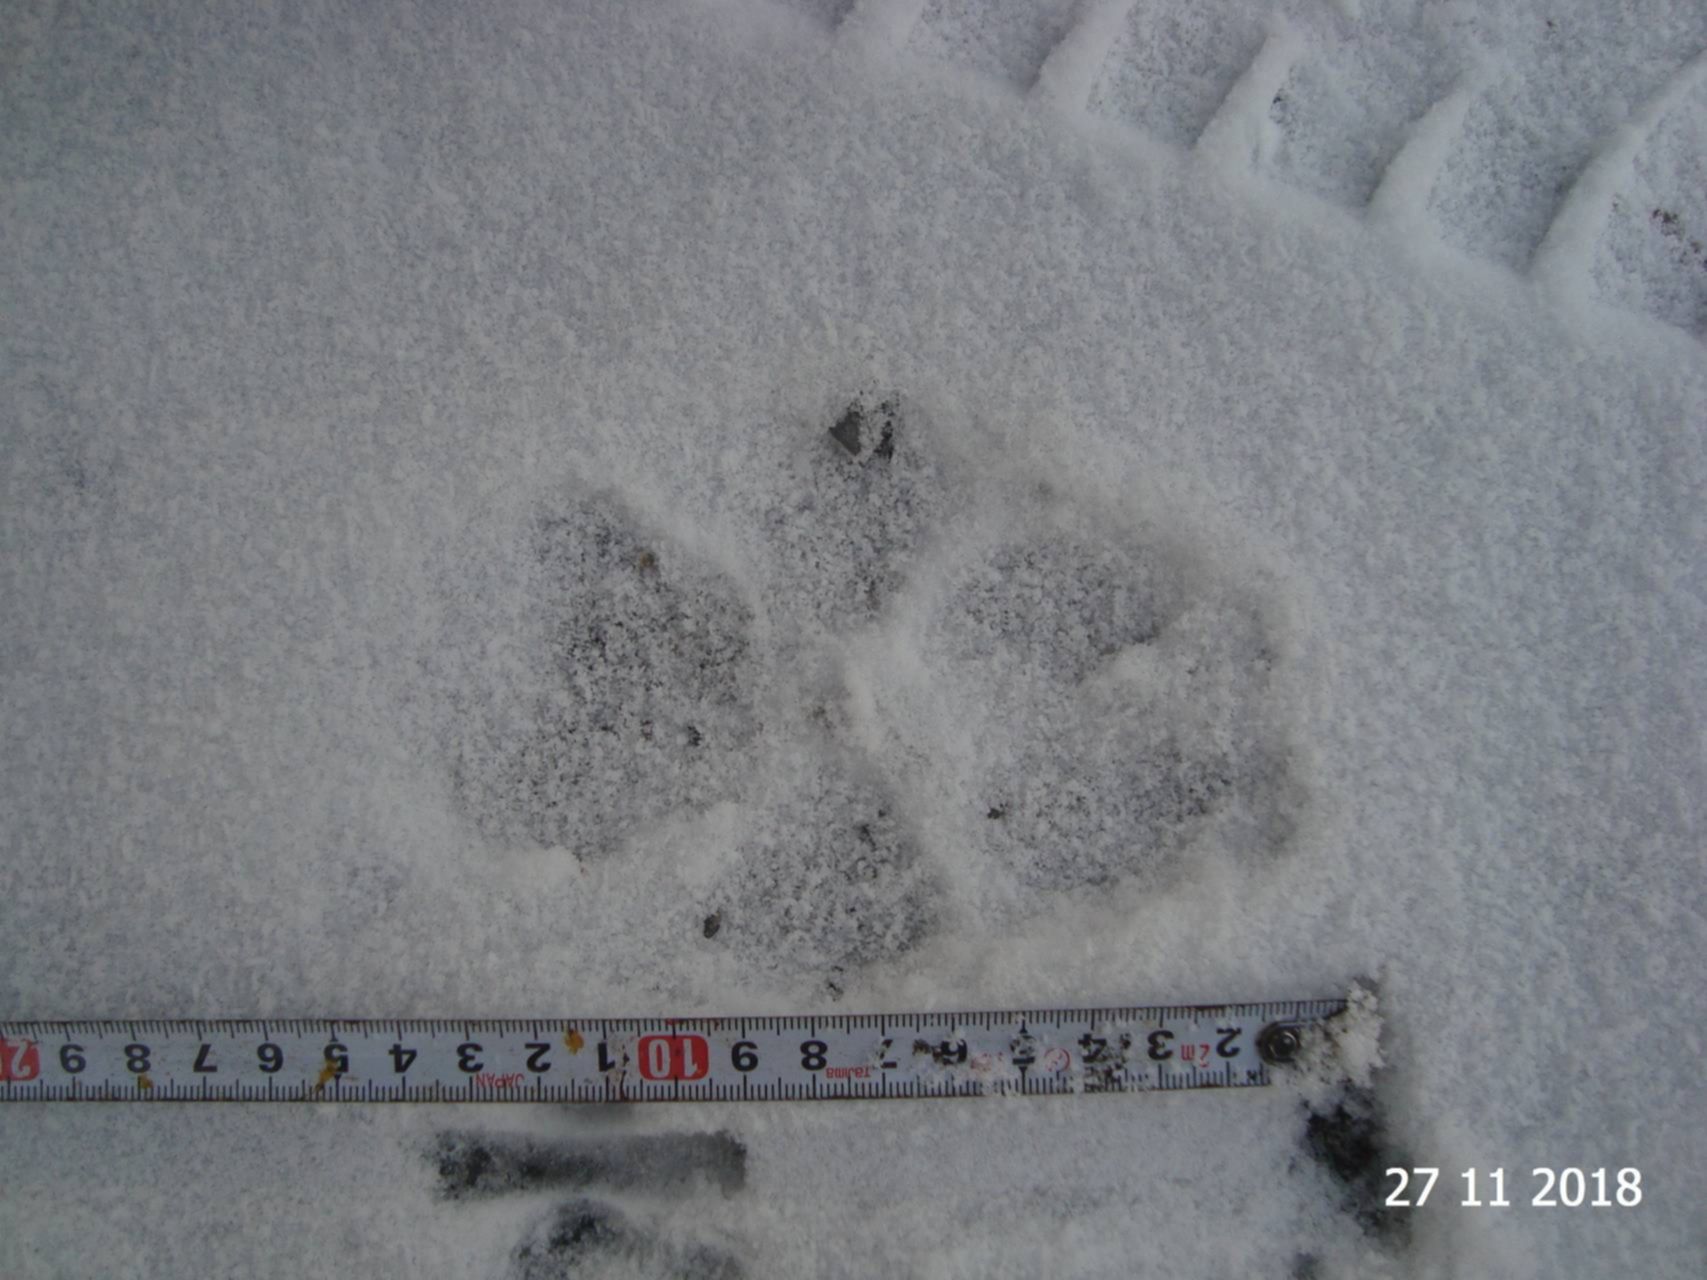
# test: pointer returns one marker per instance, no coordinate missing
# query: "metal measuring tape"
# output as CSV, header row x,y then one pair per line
x,y
761,1058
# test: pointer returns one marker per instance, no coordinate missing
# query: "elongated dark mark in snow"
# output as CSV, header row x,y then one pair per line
x,y
1241,132
586,1237
1401,197
476,1165
881,25
1071,69
1566,253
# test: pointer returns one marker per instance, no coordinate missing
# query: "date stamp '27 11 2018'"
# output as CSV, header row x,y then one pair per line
x,y
1570,1188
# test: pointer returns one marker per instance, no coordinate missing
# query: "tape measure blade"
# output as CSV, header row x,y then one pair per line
x,y
1033,1052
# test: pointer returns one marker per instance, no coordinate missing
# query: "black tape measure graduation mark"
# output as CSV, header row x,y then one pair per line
x,y
772,1058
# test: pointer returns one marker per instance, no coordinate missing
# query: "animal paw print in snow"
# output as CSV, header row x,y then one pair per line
x,y
1119,704
642,705
1114,701
647,690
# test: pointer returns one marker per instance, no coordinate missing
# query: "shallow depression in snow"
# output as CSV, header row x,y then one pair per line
x,y
708,507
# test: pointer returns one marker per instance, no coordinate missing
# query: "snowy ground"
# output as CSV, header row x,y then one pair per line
x,y
430,588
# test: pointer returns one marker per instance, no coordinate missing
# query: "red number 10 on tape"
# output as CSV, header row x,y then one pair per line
x,y
19,1062
674,1057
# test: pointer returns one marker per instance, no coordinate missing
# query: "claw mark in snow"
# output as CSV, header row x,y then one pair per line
x,y
1241,132
1401,198
881,25
1070,71
1567,252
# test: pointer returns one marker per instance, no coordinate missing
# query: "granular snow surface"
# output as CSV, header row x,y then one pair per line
x,y
995,504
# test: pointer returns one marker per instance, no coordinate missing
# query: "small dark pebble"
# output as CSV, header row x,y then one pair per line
x,y
713,923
